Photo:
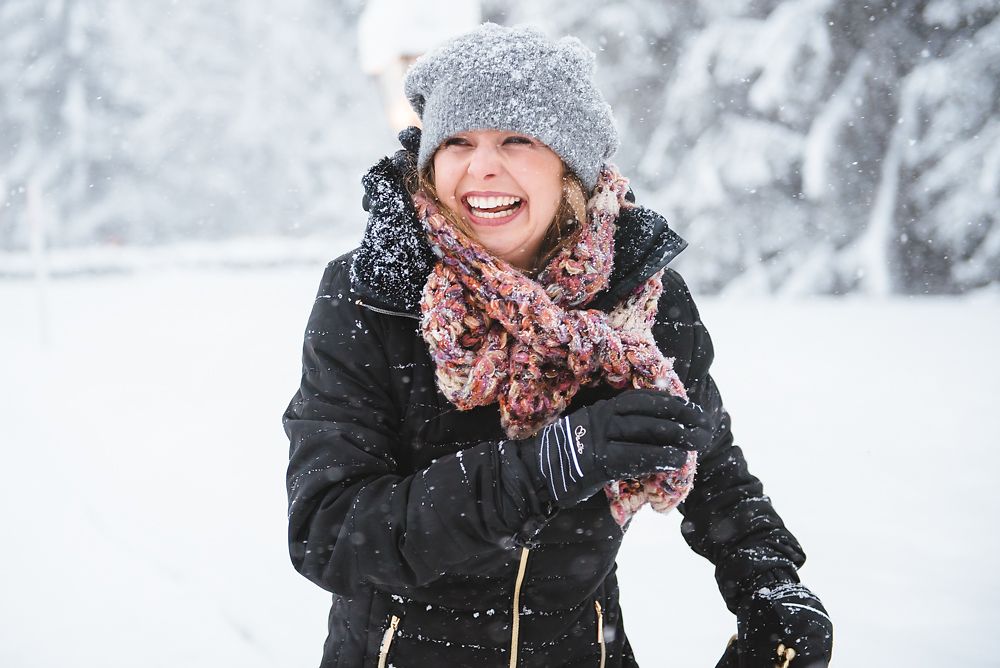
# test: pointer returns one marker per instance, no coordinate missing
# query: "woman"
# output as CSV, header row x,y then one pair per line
x,y
489,360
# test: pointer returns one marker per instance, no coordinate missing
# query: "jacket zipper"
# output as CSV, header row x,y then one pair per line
x,y
516,623
600,631
385,311
383,650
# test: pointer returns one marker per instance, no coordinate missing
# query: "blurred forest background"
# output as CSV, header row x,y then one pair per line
x,y
801,146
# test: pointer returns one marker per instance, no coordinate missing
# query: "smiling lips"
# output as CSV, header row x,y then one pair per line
x,y
492,209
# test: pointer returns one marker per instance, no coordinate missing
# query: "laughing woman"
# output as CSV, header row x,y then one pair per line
x,y
500,376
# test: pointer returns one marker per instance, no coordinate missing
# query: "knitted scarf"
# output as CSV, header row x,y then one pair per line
x,y
496,335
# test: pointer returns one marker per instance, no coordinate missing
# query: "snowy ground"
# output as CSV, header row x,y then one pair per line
x,y
142,499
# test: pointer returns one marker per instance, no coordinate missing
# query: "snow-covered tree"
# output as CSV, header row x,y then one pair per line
x,y
800,145
60,120
252,116
808,145
151,122
946,154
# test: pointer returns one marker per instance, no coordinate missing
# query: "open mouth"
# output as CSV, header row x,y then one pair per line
x,y
494,207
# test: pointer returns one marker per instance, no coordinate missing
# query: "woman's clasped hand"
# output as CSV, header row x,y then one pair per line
x,y
631,434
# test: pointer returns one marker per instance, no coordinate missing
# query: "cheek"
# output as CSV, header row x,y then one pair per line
x,y
550,194
445,180
546,173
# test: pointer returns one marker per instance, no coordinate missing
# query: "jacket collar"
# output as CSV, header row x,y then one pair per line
x,y
644,244
390,267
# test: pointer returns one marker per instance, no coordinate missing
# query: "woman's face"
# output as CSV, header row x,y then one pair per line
x,y
506,185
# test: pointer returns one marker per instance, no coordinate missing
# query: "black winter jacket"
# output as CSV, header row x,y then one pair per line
x,y
426,531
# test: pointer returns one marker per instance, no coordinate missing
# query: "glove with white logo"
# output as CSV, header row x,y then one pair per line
x,y
782,623
635,433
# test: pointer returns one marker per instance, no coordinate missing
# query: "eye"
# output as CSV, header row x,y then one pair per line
x,y
455,141
517,139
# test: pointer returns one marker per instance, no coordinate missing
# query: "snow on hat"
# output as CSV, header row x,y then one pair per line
x,y
515,79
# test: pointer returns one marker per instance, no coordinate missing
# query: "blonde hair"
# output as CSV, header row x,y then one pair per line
x,y
562,230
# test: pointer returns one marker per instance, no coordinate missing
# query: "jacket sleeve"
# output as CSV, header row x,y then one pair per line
x,y
353,517
727,517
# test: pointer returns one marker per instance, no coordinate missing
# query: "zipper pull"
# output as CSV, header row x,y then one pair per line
x,y
515,625
600,632
785,655
383,650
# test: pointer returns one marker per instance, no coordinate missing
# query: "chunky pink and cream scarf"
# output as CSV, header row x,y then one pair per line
x,y
496,335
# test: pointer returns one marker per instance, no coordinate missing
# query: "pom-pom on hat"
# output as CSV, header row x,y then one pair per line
x,y
515,79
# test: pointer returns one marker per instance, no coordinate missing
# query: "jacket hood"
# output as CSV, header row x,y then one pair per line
x,y
392,263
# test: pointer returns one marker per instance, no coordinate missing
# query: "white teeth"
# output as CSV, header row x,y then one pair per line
x,y
493,214
490,202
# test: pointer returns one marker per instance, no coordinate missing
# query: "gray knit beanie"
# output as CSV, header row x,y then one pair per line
x,y
515,79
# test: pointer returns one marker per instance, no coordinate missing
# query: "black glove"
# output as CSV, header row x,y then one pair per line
x,y
781,613
635,433
400,167
395,248
410,140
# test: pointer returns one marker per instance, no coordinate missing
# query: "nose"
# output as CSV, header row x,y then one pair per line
x,y
484,161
